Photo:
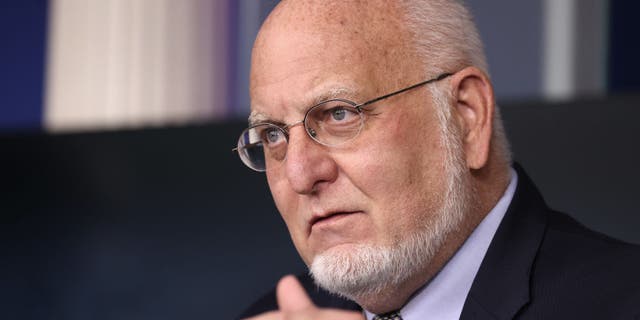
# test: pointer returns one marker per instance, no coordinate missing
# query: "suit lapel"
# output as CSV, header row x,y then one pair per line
x,y
501,287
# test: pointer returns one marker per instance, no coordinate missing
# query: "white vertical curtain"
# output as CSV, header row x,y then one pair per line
x,y
131,63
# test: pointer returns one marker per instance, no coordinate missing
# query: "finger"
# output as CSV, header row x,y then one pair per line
x,y
332,314
291,295
271,315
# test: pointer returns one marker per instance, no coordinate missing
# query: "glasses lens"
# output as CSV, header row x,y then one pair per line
x,y
259,145
334,122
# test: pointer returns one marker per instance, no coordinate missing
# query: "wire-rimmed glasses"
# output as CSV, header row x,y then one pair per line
x,y
329,123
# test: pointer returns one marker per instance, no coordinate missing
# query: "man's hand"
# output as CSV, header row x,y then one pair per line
x,y
295,304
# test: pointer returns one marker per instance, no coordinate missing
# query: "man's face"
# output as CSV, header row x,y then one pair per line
x,y
376,190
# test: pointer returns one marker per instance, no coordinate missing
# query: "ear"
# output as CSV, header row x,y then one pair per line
x,y
475,105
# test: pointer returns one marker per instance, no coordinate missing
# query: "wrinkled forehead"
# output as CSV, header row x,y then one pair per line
x,y
322,95
335,46
366,28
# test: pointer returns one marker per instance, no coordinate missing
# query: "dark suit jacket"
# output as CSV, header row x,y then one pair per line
x,y
541,264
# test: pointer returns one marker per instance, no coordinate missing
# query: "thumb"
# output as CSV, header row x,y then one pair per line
x,y
291,295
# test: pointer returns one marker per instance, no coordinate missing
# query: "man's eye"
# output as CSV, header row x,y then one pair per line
x,y
338,114
272,136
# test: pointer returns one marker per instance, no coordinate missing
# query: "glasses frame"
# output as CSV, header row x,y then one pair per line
x,y
357,107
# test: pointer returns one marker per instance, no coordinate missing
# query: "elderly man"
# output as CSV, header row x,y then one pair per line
x,y
376,125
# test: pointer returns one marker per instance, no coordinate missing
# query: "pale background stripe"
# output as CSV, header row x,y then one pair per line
x,y
575,44
124,63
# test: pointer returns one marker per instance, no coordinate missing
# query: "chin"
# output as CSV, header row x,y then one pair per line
x,y
360,271
353,270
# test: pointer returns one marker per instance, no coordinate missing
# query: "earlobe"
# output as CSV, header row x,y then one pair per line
x,y
473,94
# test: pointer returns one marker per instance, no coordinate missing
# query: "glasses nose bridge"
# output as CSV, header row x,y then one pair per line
x,y
288,127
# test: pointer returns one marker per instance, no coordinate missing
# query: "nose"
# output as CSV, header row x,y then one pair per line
x,y
308,164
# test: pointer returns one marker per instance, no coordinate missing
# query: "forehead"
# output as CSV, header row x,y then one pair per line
x,y
294,75
312,99
302,57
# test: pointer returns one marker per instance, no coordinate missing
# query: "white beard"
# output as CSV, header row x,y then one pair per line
x,y
366,270
363,271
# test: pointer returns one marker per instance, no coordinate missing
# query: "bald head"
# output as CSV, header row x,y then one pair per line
x,y
349,20
346,33
442,32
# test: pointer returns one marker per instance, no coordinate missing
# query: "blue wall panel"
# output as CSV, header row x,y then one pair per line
x,y
624,65
512,35
22,62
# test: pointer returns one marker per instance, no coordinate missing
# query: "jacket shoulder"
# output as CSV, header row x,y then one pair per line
x,y
579,270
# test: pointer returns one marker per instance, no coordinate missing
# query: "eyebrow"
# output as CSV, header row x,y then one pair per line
x,y
257,117
333,93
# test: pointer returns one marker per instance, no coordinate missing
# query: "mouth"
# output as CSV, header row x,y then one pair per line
x,y
326,219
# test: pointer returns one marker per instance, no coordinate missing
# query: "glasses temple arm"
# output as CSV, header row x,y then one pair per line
x,y
438,78
246,145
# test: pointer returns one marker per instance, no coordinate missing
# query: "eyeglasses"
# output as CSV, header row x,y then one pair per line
x,y
329,123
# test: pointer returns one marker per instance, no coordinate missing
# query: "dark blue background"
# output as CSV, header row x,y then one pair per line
x,y
169,224
624,62
23,29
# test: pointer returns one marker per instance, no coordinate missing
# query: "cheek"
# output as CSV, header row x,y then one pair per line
x,y
286,201
401,169
402,150
276,188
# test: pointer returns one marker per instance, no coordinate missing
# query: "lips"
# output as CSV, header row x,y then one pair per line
x,y
326,217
